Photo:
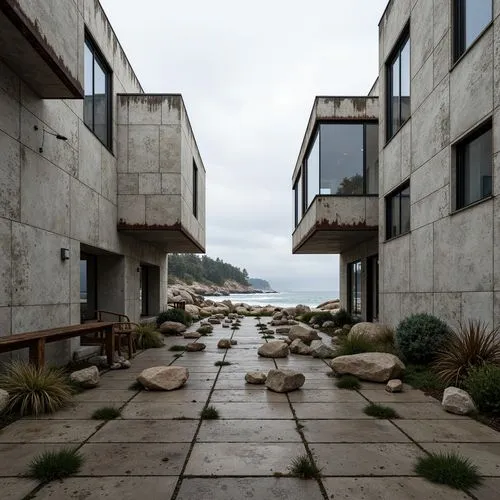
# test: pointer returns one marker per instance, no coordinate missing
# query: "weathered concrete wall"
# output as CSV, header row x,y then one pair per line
x,y
446,264
63,197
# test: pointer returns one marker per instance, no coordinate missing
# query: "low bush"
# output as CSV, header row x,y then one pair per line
x,y
471,345
177,348
33,390
348,382
51,465
419,336
380,411
209,413
357,344
177,315
106,413
148,337
342,317
304,468
483,385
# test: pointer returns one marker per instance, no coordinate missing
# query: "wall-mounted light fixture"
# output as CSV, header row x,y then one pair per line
x,y
45,131
64,253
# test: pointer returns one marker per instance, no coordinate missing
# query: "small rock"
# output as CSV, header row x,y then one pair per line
x,y
195,347
125,364
214,321
192,335
394,385
100,361
224,344
234,342
172,328
163,378
87,378
320,350
116,366
457,401
4,400
346,328
282,330
256,377
225,325
274,349
328,324
305,334
299,347
284,380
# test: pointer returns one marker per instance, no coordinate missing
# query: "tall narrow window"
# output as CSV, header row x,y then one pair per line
x,y
474,167
195,190
354,284
97,104
397,207
398,87
298,198
470,19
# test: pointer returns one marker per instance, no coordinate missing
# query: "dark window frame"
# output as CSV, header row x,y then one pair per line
x,y
352,289
459,29
460,164
195,189
97,56
395,56
389,216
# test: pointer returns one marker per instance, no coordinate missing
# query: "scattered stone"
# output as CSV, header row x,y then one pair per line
x,y
125,364
457,401
372,332
301,309
307,335
279,322
224,344
328,324
286,340
116,366
219,316
225,325
87,378
394,385
346,328
338,331
214,321
192,335
163,378
274,349
371,366
234,342
4,399
321,350
99,361
268,332
172,328
283,330
256,377
195,347
299,347
284,380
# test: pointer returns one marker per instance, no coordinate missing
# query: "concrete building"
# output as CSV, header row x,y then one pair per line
x,y
427,239
98,180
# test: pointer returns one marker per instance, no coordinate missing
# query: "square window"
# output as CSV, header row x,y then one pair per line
x,y
97,103
470,19
474,158
398,87
398,212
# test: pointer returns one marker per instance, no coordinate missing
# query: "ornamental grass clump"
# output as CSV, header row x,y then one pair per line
x,y
348,382
355,344
483,385
450,469
380,411
205,330
209,413
177,315
304,468
148,337
472,344
35,390
419,337
52,465
106,413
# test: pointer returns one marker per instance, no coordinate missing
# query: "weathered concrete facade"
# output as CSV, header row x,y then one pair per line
x,y
71,194
448,262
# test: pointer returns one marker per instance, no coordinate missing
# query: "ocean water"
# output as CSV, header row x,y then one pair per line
x,y
281,299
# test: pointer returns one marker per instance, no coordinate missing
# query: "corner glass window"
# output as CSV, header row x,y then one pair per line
x,y
474,159
312,165
97,103
397,207
398,88
470,19
298,199
354,284
195,189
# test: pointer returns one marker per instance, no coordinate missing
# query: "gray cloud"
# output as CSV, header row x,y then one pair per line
x,y
249,73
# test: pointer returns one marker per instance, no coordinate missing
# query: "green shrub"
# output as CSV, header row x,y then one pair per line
x,y
348,382
422,377
177,348
342,317
33,390
419,336
178,315
483,385
52,465
148,337
106,413
357,344
321,317
209,413
380,411
472,344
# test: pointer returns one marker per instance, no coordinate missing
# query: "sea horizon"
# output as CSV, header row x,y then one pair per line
x,y
279,299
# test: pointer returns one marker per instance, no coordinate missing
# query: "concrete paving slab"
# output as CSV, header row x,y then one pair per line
x,y
115,384
352,431
409,396
325,396
181,395
16,488
161,410
330,410
105,396
109,488
238,488
17,457
77,411
140,459
48,431
489,490
241,459
485,455
366,459
388,488
423,411
146,431
251,411
249,431
441,431
234,384
248,396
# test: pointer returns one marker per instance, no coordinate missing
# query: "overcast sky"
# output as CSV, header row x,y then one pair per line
x,y
249,72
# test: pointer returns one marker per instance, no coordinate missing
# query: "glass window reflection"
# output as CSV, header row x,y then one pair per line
x,y
313,171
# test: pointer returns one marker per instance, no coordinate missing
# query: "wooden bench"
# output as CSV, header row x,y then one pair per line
x,y
35,341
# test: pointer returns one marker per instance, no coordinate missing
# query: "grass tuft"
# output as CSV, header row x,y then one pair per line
x,y
380,411
222,363
348,382
136,386
422,377
209,413
177,348
148,337
303,468
106,413
268,336
450,469
51,465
